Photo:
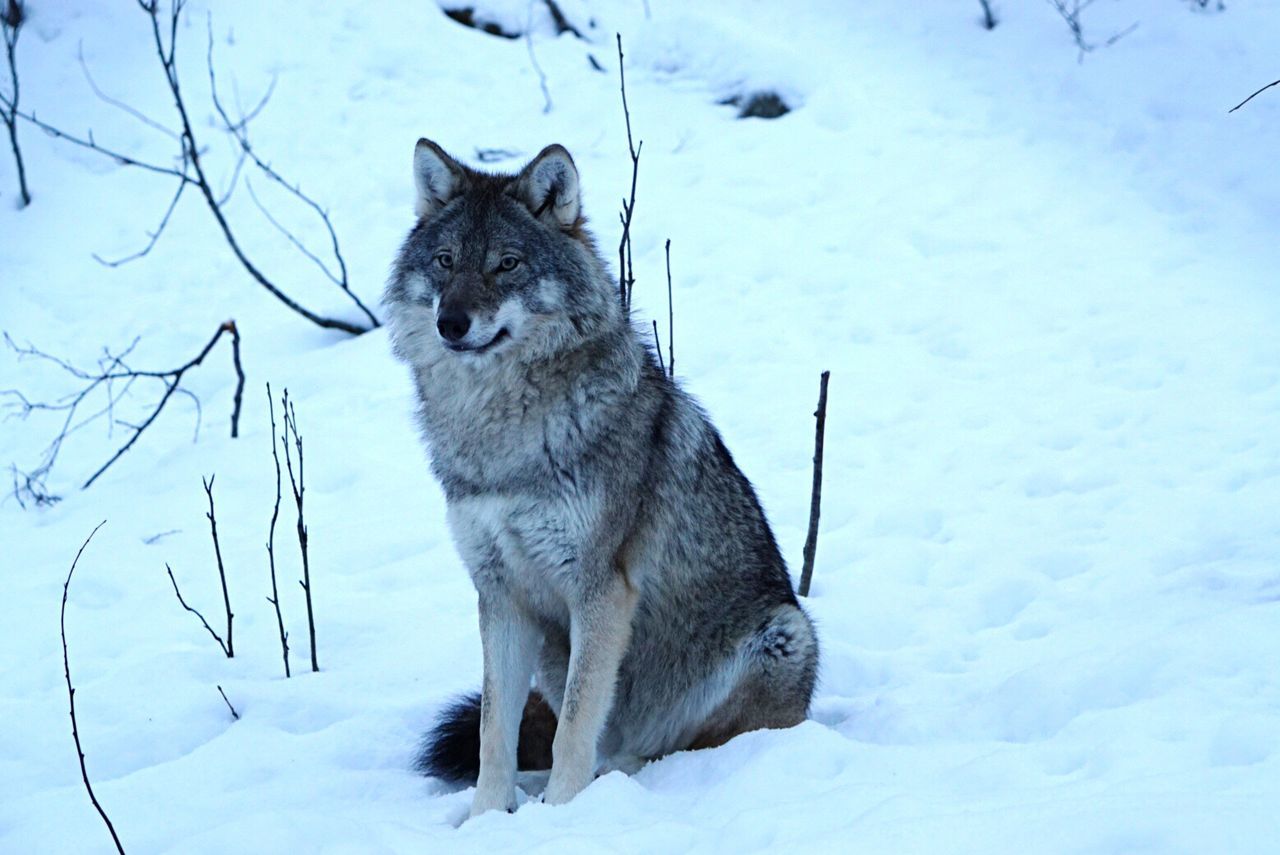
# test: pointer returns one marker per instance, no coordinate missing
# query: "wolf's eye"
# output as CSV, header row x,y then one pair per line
x,y
444,259
508,263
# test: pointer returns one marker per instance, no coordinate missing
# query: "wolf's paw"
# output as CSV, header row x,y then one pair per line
x,y
483,802
563,786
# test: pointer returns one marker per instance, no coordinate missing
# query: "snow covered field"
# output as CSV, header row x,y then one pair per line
x,y
1048,577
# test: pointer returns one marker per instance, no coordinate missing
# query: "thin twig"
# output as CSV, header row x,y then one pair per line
x,y
533,60
1254,95
671,320
815,497
222,573
657,348
299,492
626,275
203,622
274,599
235,715
71,694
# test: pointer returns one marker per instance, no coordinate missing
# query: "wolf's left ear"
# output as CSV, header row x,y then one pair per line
x,y
549,187
437,176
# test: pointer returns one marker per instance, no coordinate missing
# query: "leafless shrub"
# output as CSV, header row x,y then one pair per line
x,y
114,378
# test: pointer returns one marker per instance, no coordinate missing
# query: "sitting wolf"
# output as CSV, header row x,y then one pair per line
x,y
621,558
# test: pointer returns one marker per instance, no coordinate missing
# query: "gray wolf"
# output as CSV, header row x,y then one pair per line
x,y
621,559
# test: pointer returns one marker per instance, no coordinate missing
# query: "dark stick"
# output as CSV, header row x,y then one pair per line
x,y
204,622
657,348
815,497
1254,95
235,715
626,276
222,573
671,320
988,16
274,599
299,491
71,694
11,21
231,327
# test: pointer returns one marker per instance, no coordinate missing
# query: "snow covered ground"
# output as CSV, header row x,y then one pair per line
x,y
1048,578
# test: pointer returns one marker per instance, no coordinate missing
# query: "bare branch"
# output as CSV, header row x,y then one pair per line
x,y
274,599
118,104
239,132
1070,12
815,497
626,275
533,58
299,491
222,573
671,320
1254,95
152,236
116,378
203,622
71,694
11,25
235,715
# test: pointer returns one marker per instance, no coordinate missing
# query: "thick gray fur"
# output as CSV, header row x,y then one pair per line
x,y
620,556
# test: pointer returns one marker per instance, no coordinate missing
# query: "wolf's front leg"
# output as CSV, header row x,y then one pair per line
x,y
599,631
510,642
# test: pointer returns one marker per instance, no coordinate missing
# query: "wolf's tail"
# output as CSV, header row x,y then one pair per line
x,y
451,750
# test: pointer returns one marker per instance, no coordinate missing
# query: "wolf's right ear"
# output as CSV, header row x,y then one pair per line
x,y
437,176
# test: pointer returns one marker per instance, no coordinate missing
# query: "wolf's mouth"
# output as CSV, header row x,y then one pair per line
x,y
477,349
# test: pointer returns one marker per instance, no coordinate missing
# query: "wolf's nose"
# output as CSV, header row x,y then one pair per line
x,y
453,324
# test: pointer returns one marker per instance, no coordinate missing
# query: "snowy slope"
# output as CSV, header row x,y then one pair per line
x,y
1048,579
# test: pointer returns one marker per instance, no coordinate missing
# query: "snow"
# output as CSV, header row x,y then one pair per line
x,y
1047,581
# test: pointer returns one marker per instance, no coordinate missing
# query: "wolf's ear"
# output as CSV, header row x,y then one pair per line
x,y
437,175
549,187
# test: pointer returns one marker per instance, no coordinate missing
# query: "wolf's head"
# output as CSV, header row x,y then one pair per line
x,y
498,266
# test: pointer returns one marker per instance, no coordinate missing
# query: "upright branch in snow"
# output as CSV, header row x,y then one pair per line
x,y
815,496
988,16
192,173
222,572
71,694
299,490
626,275
1254,95
196,612
671,320
11,21
115,378
274,599
1070,11
657,347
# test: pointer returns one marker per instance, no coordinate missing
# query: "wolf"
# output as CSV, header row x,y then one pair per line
x,y
622,561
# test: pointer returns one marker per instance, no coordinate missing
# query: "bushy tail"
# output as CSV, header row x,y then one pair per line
x,y
451,750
